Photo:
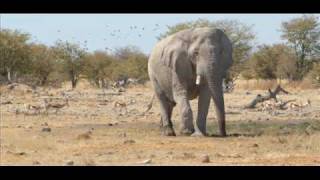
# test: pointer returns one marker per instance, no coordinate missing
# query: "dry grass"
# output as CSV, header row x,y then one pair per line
x,y
92,132
266,84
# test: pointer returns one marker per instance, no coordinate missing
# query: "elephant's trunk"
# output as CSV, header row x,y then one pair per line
x,y
215,86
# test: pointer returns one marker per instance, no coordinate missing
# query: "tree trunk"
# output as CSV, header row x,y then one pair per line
x,y
103,83
43,80
15,76
9,75
96,82
74,83
73,78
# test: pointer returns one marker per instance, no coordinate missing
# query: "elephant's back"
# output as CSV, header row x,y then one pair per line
x,y
158,72
154,61
160,46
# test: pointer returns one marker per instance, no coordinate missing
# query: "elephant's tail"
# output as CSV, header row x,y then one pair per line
x,y
149,106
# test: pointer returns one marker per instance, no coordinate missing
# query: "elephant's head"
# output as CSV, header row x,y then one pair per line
x,y
211,54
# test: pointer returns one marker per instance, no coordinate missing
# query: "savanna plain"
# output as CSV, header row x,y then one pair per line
x,y
112,127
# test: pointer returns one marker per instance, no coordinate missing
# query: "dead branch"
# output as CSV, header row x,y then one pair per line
x,y
283,105
271,95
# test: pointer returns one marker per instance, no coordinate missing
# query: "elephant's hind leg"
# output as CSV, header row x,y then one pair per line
x,y
166,108
170,109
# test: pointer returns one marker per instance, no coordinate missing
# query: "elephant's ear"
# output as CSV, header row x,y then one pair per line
x,y
227,49
172,57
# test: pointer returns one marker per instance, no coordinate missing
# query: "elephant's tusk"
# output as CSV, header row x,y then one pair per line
x,y
198,79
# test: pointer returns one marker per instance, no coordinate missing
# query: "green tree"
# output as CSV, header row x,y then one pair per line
x,y
264,62
303,34
96,68
241,36
314,74
286,62
272,61
117,71
43,63
71,57
137,66
130,62
14,53
247,70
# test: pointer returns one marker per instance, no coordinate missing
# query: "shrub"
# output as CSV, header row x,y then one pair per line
x,y
314,75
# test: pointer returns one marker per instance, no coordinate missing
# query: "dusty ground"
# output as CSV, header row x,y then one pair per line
x,y
117,137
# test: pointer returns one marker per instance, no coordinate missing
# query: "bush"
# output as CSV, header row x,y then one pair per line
x,y
272,62
96,68
43,63
129,62
70,58
15,54
314,75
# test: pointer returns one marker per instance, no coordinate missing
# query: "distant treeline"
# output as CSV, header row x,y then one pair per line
x,y
296,59
38,64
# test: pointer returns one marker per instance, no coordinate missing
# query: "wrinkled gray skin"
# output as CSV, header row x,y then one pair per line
x,y
175,63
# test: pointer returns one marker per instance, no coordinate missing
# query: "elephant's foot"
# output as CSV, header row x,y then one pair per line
x,y
186,131
168,131
199,134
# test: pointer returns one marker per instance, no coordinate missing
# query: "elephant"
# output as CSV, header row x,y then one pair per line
x,y
189,64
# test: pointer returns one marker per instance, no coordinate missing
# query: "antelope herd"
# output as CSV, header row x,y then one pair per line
x,y
44,102
46,106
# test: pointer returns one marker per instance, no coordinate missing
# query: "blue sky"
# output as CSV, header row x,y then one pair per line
x,y
96,29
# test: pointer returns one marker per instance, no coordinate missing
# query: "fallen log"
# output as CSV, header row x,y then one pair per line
x,y
271,95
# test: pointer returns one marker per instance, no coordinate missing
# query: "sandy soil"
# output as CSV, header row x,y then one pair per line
x,y
92,131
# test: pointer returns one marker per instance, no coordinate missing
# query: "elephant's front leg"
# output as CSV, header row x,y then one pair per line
x,y
187,127
203,107
180,94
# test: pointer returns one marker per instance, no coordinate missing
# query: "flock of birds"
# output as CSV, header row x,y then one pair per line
x,y
134,29
116,33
